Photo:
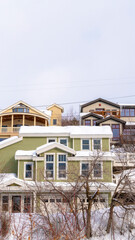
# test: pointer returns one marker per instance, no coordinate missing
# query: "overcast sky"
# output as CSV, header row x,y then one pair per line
x,y
67,51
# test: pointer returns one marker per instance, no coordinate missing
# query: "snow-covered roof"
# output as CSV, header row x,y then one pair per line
x,y
10,141
127,104
71,131
47,187
130,123
91,155
6,176
21,154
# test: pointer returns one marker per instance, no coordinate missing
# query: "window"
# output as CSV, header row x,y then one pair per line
x,y
54,121
52,200
58,200
62,162
116,131
85,144
132,112
21,110
114,111
51,140
28,170
87,122
27,204
5,200
97,144
100,109
97,171
94,122
85,169
63,141
50,166
122,112
128,112
107,112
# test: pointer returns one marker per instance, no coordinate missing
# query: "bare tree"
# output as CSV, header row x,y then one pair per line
x,y
71,118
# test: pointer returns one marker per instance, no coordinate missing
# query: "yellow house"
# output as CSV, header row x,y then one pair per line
x,y
22,114
56,115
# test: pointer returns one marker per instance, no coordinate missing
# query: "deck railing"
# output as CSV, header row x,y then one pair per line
x,y
107,113
7,130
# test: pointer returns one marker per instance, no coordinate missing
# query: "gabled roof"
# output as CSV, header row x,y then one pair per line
x,y
9,141
27,105
32,154
55,105
49,146
92,115
100,100
111,118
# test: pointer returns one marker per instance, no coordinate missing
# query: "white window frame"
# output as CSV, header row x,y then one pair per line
x,y
50,162
101,171
25,163
81,167
58,166
89,144
64,139
100,144
51,139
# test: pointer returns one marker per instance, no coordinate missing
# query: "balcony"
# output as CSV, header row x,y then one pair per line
x,y
107,113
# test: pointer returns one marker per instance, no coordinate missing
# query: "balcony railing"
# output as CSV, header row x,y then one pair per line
x,y
107,113
124,159
7,130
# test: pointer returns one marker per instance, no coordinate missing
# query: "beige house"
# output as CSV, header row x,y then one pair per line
x,y
121,117
56,114
22,114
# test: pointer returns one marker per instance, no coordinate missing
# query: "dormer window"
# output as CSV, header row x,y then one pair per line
x,y
20,109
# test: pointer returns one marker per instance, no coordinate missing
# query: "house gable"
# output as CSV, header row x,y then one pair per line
x,y
112,119
97,103
21,103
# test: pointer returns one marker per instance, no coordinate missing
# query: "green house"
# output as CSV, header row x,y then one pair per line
x,y
43,159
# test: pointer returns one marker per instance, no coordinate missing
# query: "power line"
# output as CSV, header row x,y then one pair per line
x,y
68,103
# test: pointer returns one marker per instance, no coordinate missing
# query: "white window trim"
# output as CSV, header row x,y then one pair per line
x,y
89,144
100,144
51,139
50,162
58,166
64,139
101,171
25,170
81,167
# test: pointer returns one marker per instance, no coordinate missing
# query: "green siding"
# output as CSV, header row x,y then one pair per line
x,y
8,164
40,171
77,144
73,170
105,144
107,171
70,142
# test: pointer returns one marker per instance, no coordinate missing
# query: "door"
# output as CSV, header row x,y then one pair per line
x,y
16,204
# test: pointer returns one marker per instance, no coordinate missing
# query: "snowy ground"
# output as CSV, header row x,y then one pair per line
x,y
34,227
